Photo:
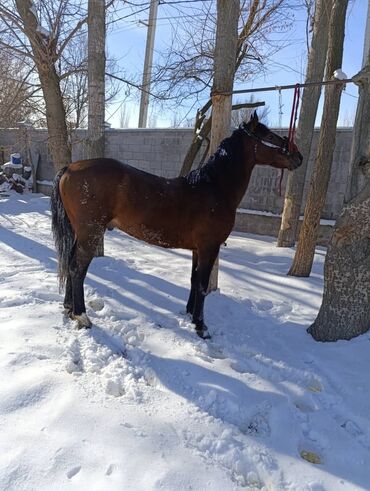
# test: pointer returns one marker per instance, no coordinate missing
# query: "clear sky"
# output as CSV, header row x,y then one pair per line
x,y
126,42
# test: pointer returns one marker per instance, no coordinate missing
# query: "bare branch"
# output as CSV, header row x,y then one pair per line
x,y
74,31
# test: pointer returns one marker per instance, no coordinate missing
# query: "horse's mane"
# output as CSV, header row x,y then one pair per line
x,y
228,153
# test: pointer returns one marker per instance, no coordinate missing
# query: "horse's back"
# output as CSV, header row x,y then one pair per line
x,y
97,167
112,173
112,193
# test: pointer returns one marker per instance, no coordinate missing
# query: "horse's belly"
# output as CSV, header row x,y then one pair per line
x,y
155,236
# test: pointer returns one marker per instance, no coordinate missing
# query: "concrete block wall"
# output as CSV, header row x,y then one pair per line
x,y
161,152
157,151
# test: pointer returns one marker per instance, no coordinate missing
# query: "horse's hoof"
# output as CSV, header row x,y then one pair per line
x,y
68,312
202,331
204,334
82,321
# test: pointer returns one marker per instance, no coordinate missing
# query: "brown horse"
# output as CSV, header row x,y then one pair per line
x,y
195,212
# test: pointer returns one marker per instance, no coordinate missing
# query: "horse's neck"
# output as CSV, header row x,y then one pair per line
x,y
235,178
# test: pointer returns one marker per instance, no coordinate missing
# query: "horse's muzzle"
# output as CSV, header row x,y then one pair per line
x,y
296,160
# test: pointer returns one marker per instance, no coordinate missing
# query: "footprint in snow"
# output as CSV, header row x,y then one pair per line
x,y
72,472
356,432
304,406
352,428
311,457
214,351
111,468
264,305
311,450
97,304
208,357
240,367
258,424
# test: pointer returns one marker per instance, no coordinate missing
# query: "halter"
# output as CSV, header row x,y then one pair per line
x,y
284,150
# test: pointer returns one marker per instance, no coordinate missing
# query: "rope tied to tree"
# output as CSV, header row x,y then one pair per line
x,y
293,119
292,127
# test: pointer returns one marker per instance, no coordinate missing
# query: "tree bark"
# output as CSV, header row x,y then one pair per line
x,y
96,78
361,131
202,129
58,139
45,57
345,308
305,252
223,81
306,124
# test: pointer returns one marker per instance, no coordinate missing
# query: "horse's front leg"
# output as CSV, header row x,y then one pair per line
x,y
191,301
205,264
78,269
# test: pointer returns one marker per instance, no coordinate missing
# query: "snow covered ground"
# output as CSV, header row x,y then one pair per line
x,y
139,402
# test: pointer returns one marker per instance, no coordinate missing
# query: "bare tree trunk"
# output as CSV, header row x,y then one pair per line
x,y
45,63
96,77
201,130
306,123
345,308
223,81
58,140
361,132
305,252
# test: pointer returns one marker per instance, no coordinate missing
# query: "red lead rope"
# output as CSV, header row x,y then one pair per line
x,y
293,119
291,132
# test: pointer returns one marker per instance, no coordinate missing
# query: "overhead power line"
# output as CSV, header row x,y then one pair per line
x,y
175,2
286,87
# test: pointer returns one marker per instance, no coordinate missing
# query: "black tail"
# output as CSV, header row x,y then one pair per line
x,y
62,230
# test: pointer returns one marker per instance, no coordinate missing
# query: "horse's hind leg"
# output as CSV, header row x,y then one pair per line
x,y
84,253
68,297
206,261
190,304
68,300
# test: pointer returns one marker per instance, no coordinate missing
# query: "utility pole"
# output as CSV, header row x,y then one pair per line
x,y
144,102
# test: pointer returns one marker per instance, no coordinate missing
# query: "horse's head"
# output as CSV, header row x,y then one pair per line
x,y
270,148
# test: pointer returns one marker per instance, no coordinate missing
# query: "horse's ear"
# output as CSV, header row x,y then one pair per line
x,y
254,116
253,121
